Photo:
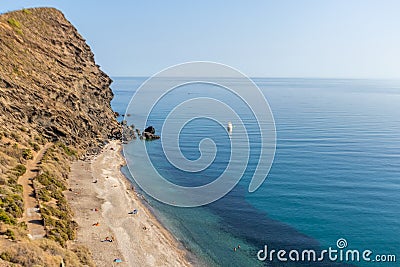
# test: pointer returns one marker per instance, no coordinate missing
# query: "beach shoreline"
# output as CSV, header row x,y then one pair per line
x,y
101,198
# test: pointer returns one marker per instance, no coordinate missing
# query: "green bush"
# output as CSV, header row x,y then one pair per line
x,y
26,11
14,186
4,217
49,221
63,214
43,195
27,154
14,209
23,225
5,256
44,178
12,179
50,182
35,146
69,151
14,23
12,205
57,194
20,170
59,223
18,189
10,234
58,236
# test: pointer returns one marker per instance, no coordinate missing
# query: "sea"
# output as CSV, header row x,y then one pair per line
x,y
335,177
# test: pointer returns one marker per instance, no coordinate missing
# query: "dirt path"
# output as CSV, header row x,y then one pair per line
x,y
31,214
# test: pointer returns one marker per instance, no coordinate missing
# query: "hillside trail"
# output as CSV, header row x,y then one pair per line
x,y
31,215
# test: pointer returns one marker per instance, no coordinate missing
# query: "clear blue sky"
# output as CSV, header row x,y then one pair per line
x,y
309,38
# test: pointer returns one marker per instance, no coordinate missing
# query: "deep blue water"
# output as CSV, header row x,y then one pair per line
x,y
335,173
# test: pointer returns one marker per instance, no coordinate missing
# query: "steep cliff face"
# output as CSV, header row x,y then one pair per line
x,y
49,81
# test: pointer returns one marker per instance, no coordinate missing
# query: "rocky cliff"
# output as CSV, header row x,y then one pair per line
x,y
49,81
54,106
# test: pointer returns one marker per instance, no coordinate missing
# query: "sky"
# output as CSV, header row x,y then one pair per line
x,y
282,38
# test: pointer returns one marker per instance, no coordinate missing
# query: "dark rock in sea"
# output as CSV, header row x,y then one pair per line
x,y
129,133
149,134
150,129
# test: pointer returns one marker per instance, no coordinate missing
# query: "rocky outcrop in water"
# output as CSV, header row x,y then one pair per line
x,y
150,134
128,132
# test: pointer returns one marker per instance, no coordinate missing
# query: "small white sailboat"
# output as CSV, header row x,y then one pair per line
x,y
229,128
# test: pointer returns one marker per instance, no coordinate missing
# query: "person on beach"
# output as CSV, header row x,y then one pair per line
x,y
133,212
107,239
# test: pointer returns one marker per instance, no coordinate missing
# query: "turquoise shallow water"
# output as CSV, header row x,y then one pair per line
x,y
335,173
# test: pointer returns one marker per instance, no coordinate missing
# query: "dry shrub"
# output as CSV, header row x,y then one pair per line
x,y
84,255
44,252
28,254
71,258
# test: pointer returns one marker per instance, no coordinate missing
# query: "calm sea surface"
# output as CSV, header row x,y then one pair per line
x,y
336,173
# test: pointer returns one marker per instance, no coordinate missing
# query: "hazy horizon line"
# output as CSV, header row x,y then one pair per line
x,y
263,77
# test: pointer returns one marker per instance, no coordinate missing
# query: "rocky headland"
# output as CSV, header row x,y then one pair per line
x,y
55,108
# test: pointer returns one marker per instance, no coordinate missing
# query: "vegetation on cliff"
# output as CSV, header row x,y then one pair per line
x,y
53,99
